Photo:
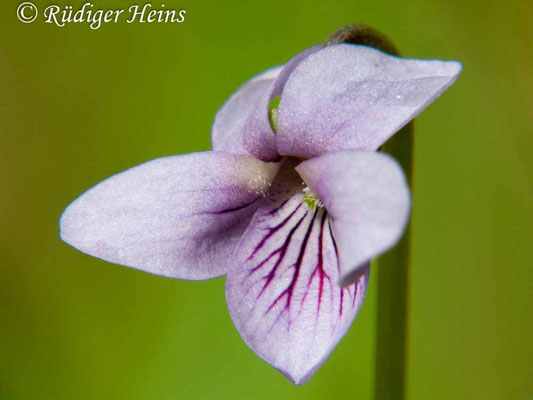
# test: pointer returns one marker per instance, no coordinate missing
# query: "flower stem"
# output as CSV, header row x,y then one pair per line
x,y
393,283
393,271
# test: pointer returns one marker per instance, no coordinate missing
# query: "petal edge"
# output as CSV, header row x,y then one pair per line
x,y
368,199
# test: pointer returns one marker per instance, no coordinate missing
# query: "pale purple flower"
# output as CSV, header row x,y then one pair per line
x,y
293,216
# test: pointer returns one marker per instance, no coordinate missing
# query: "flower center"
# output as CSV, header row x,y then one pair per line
x,y
311,200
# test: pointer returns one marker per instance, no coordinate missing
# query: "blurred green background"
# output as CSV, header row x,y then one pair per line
x,y
79,105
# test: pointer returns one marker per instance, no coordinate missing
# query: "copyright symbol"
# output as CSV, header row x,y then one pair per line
x,y
27,12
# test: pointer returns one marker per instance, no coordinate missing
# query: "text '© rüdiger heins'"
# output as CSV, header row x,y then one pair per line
x,y
62,16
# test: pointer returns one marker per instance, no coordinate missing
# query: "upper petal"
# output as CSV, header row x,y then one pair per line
x,y
228,126
281,288
260,138
178,216
367,197
242,125
355,97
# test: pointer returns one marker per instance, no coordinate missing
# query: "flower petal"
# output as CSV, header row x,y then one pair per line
x,y
178,216
355,97
367,197
228,126
281,286
260,138
242,125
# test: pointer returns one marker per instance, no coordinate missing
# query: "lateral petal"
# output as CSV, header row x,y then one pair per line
x,y
367,197
178,216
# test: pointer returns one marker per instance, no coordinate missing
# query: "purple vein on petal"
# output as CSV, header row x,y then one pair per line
x,y
291,310
239,207
232,209
275,210
352,297
288,292
334,245
281,251
320,271
273,230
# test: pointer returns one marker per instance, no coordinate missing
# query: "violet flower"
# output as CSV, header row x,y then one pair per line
x,y
291,204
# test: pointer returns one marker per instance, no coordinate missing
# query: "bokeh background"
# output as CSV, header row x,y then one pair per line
x,y
79,105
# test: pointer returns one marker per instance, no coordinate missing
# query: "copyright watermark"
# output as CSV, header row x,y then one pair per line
x,y
27,12
95,17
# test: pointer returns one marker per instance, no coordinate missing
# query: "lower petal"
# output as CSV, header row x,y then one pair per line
x,y
281,288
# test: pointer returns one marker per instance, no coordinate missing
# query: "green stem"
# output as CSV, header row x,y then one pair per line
x,y
393,284
393,271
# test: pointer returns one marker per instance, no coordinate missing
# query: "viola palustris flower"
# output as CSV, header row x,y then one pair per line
x,y
292,203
